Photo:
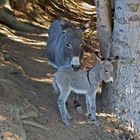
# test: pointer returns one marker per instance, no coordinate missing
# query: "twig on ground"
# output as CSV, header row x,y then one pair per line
x,y
34,124
31,114
24,136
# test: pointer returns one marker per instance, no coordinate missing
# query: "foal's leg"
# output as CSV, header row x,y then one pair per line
x,y
92,108
88,106
62,106
77,105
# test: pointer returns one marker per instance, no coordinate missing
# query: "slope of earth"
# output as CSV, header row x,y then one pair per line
x,y
28,109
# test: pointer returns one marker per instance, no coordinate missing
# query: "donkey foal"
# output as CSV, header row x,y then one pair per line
x,y
82,82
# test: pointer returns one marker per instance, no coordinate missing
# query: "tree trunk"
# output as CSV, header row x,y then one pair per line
x,y
104,25
126,96
123,97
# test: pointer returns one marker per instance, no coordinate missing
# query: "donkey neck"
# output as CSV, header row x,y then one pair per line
x,y
95,73
59,36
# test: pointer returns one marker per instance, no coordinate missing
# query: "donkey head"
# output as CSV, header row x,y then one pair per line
x,y
74,42
73,47
106,70
106,73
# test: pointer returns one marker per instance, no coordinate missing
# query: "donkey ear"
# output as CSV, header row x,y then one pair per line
x,y
66,25
113,59
85,26
62,22
99,58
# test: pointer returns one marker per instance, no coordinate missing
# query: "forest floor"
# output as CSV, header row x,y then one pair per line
x,y
26,95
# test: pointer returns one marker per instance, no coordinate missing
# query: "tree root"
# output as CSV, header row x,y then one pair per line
x,y
31,114
34,124
23,132
22,122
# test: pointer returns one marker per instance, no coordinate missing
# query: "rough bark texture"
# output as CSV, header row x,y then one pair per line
x,y
123,97
126,97
104,27
104,24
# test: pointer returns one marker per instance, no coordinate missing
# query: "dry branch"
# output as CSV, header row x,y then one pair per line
x,y
31,114
24,136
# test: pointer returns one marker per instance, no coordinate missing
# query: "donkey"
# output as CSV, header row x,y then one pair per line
x,y
64,46
82,82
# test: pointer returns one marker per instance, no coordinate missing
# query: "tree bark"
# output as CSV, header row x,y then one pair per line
x,y
123,97
126,96
104,25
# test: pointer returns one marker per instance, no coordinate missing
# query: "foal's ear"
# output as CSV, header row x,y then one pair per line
x,y
113,59
99,57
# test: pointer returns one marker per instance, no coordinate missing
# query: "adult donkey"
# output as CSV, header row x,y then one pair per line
x,y
64,46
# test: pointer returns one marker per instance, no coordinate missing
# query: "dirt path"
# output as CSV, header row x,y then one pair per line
x,y
27,51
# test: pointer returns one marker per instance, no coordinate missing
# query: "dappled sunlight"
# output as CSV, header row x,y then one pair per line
x,y
5,31
81,122
27,41
47,79
2,118
91,9
7,135
41,60
5,132
106,115
39,46
43,80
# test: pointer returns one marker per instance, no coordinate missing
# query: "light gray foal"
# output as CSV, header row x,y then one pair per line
x,y
82,82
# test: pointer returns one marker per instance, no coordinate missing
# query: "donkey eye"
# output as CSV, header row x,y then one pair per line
x,y
69,46
106,71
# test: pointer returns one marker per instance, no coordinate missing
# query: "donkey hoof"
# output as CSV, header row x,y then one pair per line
x,y
70,118
66,123
89,116
79,110
96,123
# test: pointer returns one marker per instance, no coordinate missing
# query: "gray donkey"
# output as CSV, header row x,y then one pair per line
x,y
82,82
64,46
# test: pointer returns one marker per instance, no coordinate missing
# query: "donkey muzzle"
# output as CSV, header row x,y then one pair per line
x,y
76,67
110,80
75,63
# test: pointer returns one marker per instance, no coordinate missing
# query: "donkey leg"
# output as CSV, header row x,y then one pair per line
x,y
92,106
77,105
55,87
62,108
88,106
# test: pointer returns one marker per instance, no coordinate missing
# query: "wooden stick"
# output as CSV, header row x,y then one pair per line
x,y
34,124
24,136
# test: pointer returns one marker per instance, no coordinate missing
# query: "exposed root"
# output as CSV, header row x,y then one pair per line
x,y
24,136
34,124
31,114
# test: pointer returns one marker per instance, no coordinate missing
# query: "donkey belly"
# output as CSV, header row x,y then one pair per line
x,y
79,91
